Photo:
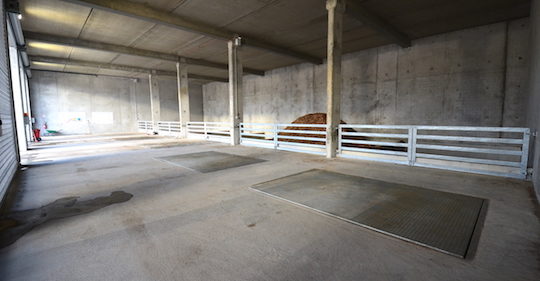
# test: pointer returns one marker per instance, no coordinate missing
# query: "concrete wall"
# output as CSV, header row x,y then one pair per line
x,y
476,76
196,109
61,98
534,87
169,100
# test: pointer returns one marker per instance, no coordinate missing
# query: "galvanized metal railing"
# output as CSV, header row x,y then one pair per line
x,y
213,131
499,151
495,151
169,128
285,136
145,127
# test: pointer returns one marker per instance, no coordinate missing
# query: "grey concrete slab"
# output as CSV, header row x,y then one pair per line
x,y
440,220
185,225
210,161
54,16
299,25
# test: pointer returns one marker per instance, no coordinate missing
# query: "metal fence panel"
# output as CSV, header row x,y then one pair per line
x,y
442,147
212,131
278,136
169,128
486,150
145,127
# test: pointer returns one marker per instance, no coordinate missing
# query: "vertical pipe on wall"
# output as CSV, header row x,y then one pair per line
x,y
335,8
235,89
183,94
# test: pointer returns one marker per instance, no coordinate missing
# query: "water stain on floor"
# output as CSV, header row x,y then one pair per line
x,y
16,224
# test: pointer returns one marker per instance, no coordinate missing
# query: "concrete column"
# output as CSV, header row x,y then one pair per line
x,y
183,94
235,89
335,8
154,99
533,118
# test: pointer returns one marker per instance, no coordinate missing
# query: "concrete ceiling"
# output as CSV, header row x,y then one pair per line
x,y
296,24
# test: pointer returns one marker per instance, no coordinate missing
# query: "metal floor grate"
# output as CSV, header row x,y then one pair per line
x,y
210,161
439,220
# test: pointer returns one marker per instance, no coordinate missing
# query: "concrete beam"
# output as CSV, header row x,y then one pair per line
x,y
146,13
208,78
119,67
83,73
335,8
85,44
235,89
357,11
183,95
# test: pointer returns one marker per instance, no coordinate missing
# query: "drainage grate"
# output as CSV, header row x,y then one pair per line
x,y
210,161
439,220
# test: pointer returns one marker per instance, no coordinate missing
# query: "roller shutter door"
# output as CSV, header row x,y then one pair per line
x,y
8,146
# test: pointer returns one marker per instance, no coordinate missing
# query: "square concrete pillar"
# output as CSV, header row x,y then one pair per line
x,y
235,89
183,94
155,105
335,8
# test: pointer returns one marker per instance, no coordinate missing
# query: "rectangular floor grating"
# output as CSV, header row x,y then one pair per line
x,y
210,161
439,220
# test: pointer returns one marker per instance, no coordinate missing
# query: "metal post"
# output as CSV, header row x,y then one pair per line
x,y
335,8
340,137
411,148
235,88
183,94
525,153
275,136
240,132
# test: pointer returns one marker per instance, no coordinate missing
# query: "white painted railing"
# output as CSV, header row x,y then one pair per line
x,y
278,136
145,127
171,128
213,131
486,150
495,151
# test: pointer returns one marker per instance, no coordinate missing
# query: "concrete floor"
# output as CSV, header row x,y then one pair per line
x,y
186,225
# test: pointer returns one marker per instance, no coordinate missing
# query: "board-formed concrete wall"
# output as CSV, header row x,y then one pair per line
x,y
60,99
476,76
534,99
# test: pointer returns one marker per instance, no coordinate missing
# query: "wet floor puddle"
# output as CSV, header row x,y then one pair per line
x,y
16,224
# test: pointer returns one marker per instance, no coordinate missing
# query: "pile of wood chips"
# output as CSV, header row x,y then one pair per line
x,y
320,118
312,118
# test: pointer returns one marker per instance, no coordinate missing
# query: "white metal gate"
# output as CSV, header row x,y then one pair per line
x,y
145,127
307,138
169,128
486,150
213,131
499,151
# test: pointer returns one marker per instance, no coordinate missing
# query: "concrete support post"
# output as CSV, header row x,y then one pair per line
x,y
183,94
154,99
335,8
235,89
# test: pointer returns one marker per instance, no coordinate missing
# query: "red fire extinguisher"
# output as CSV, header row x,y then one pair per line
x,y
37,136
